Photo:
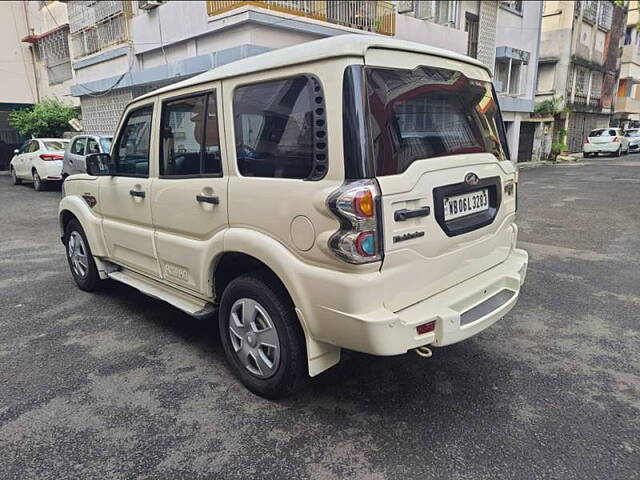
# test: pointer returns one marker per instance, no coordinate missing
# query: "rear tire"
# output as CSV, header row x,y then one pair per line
x,y
618,152
83,267
262,337
14,177
586,155
38,183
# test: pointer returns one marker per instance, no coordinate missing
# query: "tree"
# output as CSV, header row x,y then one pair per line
x,y
48,118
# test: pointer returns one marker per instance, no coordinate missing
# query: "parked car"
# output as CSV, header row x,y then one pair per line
x,y
633,135
358,195
79,147
605,140
39,161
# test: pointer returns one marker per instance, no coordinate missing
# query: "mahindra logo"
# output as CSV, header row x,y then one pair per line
x,y
471,179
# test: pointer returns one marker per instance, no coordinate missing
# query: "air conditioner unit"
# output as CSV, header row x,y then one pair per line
x,y
149,4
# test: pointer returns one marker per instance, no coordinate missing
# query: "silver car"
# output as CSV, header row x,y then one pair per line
x,y
633,135
79,147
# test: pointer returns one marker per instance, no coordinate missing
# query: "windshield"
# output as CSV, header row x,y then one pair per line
x,y
429,112
55,145
105,143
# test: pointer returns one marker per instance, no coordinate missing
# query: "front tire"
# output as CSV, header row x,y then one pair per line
x,y
261,336
38,183
83,267
14,177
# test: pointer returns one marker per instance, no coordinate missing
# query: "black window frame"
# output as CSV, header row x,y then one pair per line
x,y
146,106
320,155
203,93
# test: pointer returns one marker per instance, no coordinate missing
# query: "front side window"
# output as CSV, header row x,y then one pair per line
x,y
280,129
92,146
190,142
77,147
429,112
131,155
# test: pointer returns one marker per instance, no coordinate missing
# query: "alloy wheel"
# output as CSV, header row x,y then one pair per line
x,y
36,181
78,254
254,338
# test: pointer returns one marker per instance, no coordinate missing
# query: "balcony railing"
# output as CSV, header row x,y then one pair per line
x,y
369,16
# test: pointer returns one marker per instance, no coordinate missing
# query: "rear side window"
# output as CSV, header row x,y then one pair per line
x,y
190,142
77,147
34,146
430,112
599,132
131,155
280,129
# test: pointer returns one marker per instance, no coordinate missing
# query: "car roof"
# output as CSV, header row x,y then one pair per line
x,y
52,139
332,47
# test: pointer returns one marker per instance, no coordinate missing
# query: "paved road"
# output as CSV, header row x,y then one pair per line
x,y
118,385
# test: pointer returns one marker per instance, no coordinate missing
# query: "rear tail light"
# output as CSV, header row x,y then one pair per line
x,y
49,156
616,139
357,206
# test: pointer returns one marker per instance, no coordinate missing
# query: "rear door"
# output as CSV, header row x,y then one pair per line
x,y
442,169
189,197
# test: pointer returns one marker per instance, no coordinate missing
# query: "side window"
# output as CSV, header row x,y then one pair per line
x,y
280,129
612,133
131,154
92,146
190,142
77,148
34,146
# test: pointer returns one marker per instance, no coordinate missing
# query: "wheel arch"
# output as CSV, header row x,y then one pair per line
x,y
73,207
260,252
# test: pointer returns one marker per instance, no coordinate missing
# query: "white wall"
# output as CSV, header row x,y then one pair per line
x,y
18,83
521,31
420,31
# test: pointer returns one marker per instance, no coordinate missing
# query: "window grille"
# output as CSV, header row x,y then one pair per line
x,y
605,18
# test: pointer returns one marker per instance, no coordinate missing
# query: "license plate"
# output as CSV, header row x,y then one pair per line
x,y
466,204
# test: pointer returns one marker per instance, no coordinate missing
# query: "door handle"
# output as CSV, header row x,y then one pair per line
x,y
137,193
212,199
405,213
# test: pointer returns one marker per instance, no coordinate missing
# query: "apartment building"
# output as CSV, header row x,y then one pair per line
x,y
579,63
627,99
34,62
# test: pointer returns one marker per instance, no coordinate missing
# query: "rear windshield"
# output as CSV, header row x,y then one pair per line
x,y
429,112
633,133
602,132
105,142
55,144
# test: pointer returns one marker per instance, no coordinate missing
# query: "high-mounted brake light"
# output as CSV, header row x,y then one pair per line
x,y
47,157
359,238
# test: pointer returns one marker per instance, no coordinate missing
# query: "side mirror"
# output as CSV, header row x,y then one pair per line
x,y
98,164
16,151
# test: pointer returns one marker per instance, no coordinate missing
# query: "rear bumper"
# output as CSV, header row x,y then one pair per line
x,y
459,313
601,147
50,170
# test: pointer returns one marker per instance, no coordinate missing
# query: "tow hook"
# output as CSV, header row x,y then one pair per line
x,y
424,352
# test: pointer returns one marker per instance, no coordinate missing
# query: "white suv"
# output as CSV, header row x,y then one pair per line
x,y
352,192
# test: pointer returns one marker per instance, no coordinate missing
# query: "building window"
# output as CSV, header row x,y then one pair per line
x,y
515,5
444,12
589,9
596,85
471,26
508,73
53,51
605,16
581,85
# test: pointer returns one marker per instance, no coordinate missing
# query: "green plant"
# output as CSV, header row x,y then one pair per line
x,y
557,148
48,118
548,108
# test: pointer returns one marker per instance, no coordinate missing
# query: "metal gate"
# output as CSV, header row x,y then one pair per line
x,y
580,124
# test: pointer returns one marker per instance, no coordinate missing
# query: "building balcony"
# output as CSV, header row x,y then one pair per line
x,y
373,16
630,67
626,105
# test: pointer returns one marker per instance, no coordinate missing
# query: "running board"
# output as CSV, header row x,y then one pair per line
x,y
194,306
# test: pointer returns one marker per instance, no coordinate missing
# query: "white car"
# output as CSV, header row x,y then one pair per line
x,y
605,140
39,161
633,135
